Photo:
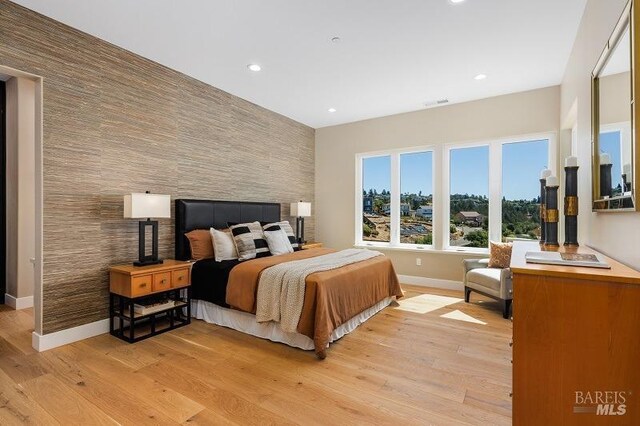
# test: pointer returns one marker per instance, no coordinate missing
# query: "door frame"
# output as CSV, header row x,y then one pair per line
x,y
3,189
38,267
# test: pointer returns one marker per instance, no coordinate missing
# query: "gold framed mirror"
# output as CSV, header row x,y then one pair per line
x,y
614,154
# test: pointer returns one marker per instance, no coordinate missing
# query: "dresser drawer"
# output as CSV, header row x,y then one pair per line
x,y
141,285
162,281
180,278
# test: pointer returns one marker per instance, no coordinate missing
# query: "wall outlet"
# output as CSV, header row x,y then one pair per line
x,y
418,261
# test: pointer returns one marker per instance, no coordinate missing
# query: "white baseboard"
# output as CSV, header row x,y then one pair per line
x,y
44,342
18,303
431,282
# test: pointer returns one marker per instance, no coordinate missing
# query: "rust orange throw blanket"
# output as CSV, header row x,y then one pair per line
x,y
331,297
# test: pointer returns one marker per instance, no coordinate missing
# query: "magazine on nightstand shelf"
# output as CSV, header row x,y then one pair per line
x,y
566,259
153,307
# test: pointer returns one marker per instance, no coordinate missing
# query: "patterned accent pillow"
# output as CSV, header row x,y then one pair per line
x,y
249,240
500,255
286,227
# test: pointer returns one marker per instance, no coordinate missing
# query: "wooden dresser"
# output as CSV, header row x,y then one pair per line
x,y
576,342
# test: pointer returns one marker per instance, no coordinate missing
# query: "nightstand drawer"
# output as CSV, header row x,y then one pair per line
x,y
161,281
141,285
180,278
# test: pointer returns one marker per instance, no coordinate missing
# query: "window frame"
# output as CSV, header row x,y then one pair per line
x,y
495,182
446,188
440,169
394,235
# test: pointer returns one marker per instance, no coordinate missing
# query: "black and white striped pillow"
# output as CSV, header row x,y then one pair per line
x,y
286,227
249,240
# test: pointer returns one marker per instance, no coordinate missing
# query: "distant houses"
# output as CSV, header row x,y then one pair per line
x,y
405,209
470,218
425,212
367,204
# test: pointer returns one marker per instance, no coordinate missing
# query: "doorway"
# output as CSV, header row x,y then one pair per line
x,y
33,103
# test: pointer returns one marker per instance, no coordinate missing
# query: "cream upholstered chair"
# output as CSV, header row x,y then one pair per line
x,y
492,282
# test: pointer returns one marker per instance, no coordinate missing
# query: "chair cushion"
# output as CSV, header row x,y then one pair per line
x,y
486,277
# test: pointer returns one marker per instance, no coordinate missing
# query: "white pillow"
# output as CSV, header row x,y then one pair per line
x,y
223,245
278,241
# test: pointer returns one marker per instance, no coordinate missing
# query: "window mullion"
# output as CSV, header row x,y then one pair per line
x,y
495,191
359,201
441,240
395,199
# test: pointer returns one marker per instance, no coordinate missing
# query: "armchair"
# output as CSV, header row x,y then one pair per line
x,y
491,282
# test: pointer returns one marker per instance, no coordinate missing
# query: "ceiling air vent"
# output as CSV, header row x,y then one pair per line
x,y
436,103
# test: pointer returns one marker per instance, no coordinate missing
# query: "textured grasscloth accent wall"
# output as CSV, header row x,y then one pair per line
x,y
116,123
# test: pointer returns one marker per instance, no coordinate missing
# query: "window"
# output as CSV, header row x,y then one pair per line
x,y
469,197
396,203
521,166
376,199
416,198
454,196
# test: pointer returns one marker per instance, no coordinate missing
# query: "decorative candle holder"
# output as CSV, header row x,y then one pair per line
x,y
543,183
551,215
627,175
571,202
605,175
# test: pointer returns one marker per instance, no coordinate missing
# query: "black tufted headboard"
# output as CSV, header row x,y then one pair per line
x,y
204,214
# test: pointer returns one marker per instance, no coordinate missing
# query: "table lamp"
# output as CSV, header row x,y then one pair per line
x,y
300,210
147,206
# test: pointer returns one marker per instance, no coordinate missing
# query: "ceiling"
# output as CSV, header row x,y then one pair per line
x,y
393,56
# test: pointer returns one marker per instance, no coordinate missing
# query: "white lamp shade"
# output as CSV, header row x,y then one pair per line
x,y
139,205
552,181
300,209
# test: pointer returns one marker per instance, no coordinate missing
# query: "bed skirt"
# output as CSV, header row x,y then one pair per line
x,y
246,323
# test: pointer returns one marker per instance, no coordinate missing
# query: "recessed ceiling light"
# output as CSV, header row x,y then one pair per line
x,y
456,1
480,77
254,67
332,110
335,39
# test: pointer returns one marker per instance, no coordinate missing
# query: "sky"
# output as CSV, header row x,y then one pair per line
x,y
610,143
522,163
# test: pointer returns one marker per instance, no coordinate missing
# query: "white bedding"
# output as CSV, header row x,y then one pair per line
x,y
247,323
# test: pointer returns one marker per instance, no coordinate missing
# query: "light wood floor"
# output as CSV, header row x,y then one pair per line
x,y
400,367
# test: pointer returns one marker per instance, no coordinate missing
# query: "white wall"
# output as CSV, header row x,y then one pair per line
x,y
524,113
617,234
20,184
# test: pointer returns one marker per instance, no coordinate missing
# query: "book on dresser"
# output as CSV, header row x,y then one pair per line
x,y
590,260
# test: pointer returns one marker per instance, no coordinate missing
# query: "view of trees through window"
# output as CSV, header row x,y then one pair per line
x,y
416,198
521,166
376,198
469,193
468,199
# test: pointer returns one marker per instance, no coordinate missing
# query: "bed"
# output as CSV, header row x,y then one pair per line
x,y
225,293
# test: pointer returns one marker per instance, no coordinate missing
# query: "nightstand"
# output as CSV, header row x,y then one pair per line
x,y
149,300
310,245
